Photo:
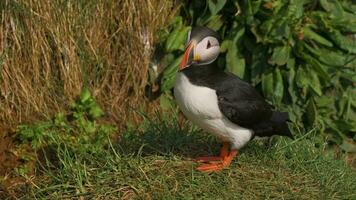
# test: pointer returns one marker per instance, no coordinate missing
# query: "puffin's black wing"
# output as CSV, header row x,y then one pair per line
x,y
240,102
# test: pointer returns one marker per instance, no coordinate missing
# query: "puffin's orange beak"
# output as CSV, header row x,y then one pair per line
x,y
187,57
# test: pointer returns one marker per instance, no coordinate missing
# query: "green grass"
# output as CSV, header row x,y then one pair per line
x,y
156,163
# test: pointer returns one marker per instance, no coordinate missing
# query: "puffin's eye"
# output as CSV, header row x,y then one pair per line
x,y
208,45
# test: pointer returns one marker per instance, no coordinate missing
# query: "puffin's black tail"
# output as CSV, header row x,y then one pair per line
x,y
280,126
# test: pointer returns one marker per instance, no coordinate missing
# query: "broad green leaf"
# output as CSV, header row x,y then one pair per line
x,y
332,58
291,79
311,112
215,22
255,6
317,66
343,42
177,21
282,31
314,83
250,8
259,64
348,145
266,27
176,39
349,6
280,55
95,112
238,35
259,37
278,85
169,75
306,77
310,34
291,63
295,10
235,63
333,7
216,7
85,95
302,80
267,85
225,46
165,102
89,127
324,101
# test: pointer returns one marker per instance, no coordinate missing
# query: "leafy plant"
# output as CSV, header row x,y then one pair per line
x,y
300,54
79,131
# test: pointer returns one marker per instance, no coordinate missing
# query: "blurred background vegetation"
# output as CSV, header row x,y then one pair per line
x,y
74,73
301,55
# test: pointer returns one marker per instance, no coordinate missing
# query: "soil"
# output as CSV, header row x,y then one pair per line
x,y
8,162
8,159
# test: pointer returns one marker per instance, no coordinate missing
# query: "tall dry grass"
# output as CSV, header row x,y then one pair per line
x,y
50,50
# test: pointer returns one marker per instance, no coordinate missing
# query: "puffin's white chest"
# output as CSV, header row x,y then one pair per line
x,y
196,101
200,105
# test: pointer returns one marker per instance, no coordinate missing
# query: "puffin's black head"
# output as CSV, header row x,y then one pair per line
x,y
202,47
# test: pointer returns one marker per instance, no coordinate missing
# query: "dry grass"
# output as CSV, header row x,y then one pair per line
x,y
50,50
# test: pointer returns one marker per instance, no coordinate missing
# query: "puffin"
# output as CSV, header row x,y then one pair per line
x,y
220,102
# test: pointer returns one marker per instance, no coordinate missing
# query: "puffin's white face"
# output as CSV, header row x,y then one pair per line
x,y
204,51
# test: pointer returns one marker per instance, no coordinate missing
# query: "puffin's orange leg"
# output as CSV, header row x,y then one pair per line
x,y
225,161
216,166
224,151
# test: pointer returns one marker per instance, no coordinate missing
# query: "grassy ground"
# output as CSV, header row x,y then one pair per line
x,y
156,163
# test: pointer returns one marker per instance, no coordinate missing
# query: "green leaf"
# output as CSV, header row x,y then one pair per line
x,y
302,80
165,102
96,112
310,34
314,83
291,79
343,42
169,75
225,46
215,22
333,7
280,55
311,112
332,58
267,85
235,62
85,95
278,85
308,78
177,39
348,145
317,66
216,7
251,7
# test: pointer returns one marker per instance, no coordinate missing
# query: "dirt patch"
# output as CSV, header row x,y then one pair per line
x,y
8,162
8,159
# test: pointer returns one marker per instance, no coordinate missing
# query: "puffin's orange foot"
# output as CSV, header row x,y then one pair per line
x,y
208,159
211,167
217,163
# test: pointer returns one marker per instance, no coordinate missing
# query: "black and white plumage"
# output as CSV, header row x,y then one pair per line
x,y
220,102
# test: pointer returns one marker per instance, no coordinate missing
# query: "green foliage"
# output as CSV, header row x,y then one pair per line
x,y
79,131
300,54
